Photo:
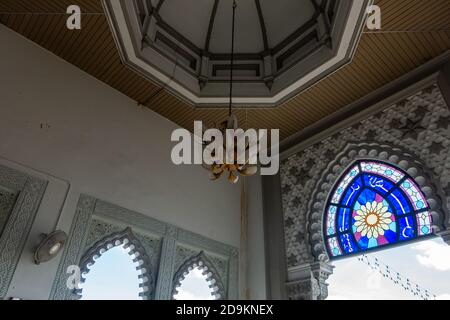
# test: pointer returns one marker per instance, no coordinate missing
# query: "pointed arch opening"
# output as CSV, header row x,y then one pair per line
x,y
198,271
113,276
195,286
115,259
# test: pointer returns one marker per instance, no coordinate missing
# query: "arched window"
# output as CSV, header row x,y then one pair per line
x,y
113,276
193,275
195,286
117,256
374,205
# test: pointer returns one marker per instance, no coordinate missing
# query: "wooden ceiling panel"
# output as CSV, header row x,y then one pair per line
x,y
48,6
413,32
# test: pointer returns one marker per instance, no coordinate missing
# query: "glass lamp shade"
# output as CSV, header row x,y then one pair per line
x,y
50,246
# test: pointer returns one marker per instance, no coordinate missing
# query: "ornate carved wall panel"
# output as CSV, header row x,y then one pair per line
x,y
20,197
7,200
417,127
160,250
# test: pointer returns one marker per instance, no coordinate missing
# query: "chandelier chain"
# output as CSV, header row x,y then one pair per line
x,y
232,57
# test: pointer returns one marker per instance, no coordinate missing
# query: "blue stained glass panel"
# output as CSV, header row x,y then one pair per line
x,y
344,219
366,196
377,206
406,228
348,244
352,192
401,204
379,184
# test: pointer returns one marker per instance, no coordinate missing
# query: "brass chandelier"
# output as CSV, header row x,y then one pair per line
x,y
234,170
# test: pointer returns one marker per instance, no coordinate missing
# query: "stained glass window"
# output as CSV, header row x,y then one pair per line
x,y
373,205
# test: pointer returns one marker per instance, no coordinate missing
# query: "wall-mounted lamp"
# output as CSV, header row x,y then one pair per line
x,y
50,246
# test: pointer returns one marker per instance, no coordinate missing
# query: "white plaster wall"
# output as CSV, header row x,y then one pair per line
x,y
57,120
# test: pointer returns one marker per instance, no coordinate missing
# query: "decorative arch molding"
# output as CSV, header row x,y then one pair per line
x,y
202,262
20,198
129,241
161,249
370,151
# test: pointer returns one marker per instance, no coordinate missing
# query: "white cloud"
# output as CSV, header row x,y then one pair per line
x,y
373,281
445,296
434,255
426,263
354,280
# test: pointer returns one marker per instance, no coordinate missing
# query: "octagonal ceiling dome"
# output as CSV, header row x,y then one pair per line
x,y
281,47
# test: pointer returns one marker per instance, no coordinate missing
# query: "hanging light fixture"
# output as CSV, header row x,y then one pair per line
x,y
234,170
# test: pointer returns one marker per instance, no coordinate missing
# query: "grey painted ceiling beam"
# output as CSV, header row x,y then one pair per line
x,y
159,5
148,7
294,35
211,26
177,36
263,26
315,5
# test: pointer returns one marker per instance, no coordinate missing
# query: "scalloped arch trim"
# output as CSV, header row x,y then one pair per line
x,y
128,240
202,262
